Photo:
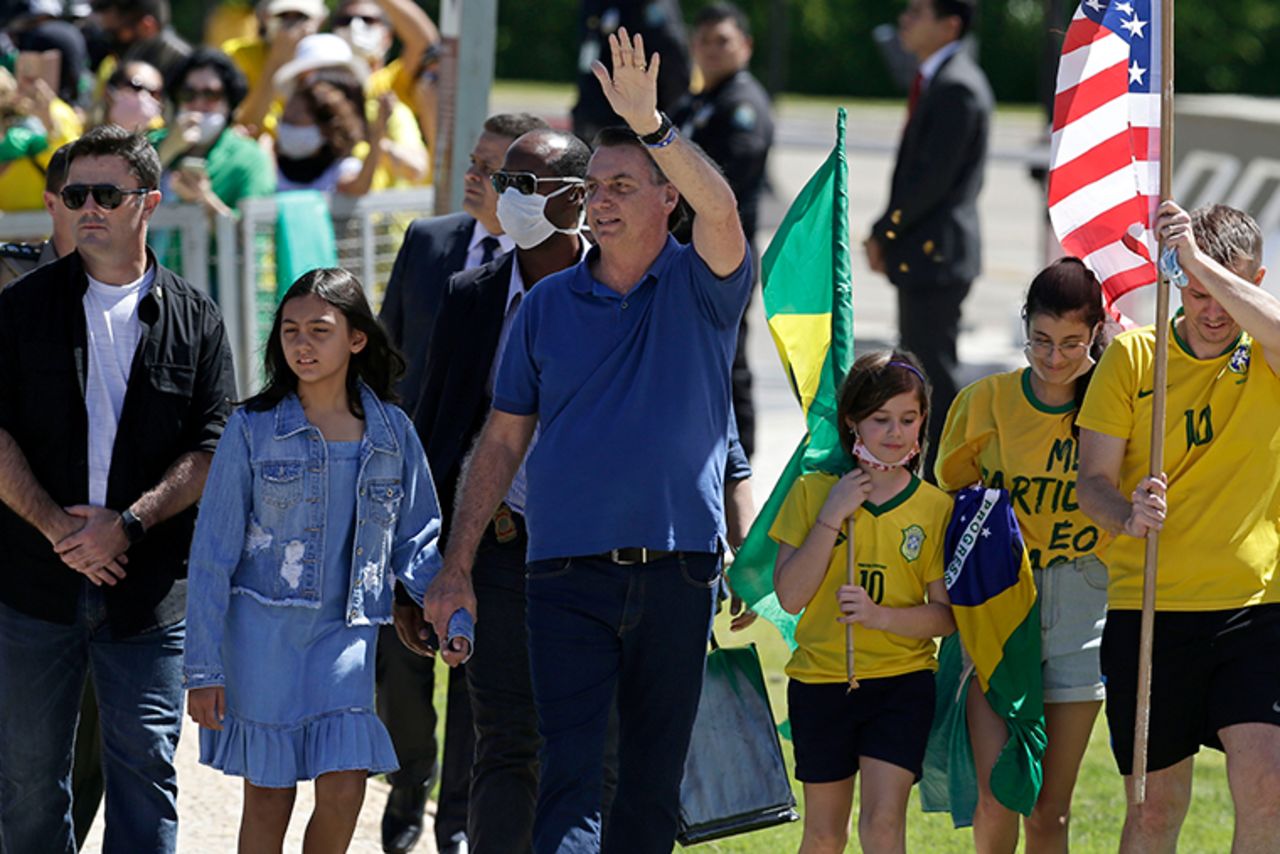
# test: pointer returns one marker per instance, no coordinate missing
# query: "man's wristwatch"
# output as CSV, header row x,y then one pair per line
x,y
133,529
658,139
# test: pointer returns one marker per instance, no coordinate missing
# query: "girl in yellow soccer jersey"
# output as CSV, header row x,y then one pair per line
x,y
898,605
1016,431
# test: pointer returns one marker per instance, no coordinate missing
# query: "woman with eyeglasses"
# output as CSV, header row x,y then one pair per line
x,y
1016,431
206,161
132,98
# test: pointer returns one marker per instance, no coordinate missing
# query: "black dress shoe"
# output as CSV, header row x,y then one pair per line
x,y
402,819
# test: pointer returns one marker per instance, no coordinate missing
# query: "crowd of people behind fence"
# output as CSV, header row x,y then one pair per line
x,y
531,462
287,95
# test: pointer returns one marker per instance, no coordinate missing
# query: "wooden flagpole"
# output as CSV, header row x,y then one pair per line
x,y
1146,638
848,629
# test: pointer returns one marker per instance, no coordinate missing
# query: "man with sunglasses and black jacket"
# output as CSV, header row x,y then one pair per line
x,y
115,385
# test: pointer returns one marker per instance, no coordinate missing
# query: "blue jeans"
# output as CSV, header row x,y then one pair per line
x,y
138,681
597,629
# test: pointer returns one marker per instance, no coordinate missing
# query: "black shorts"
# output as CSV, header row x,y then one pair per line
x,y
886,719
1210,669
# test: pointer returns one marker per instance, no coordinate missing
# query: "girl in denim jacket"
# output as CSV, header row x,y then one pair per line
x,y
318,497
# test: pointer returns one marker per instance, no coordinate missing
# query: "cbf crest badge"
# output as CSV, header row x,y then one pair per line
x,y
912,540
1239,363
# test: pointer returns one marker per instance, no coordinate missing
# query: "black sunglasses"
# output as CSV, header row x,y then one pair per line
x,y
525,183
345,20
133,83
108,196
187,94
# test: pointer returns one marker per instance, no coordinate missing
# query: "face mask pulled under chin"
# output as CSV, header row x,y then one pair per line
x,y
524,218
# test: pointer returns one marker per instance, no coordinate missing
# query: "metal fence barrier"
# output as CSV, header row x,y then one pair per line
x,y
233,258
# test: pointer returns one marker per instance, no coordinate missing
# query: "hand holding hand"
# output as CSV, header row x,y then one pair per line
x,y
857,606
207,706
450,591
1149,507
632,91
411,628
97,549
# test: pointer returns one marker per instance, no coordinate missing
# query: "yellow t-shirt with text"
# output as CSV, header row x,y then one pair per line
x,y
1220,542
897,553
1000,435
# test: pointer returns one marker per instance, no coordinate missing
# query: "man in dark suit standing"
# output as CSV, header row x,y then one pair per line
x,y
927,242
433,250
542,168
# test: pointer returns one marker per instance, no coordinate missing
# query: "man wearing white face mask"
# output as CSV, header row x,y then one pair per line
x,y
434,249
207,162
540,206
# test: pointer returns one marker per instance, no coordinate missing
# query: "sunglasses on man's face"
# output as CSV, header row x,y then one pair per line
x,y
108,196
525,183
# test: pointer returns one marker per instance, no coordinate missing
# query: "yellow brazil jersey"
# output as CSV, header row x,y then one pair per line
x,y
22,181
897,551
1220,543
1000,435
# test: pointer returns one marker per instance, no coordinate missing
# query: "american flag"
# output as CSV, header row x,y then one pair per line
x,y
1104,178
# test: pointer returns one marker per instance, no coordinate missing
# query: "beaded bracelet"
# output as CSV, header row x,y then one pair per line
x,y
825,525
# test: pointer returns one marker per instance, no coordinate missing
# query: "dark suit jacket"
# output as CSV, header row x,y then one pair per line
x,y
454,402
929,233
433,250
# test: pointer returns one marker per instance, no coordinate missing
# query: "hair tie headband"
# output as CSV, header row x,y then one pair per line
x,y
909,367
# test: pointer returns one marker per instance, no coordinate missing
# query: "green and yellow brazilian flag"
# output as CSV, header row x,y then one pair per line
x,y
808,299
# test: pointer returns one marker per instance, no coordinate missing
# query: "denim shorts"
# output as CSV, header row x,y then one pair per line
x,y
1073,611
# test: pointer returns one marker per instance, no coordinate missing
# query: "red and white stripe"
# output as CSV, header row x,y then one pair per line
x,y
1104,177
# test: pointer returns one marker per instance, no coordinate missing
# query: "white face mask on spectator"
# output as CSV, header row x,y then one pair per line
x,y
133,110
209,125
525,219
367,40
298,141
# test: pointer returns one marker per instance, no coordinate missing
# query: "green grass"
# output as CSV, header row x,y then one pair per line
x,y
1098,808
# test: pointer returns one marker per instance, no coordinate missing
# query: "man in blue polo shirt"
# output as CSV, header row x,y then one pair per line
x,y
623,363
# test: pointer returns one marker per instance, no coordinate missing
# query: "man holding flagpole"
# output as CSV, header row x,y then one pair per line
x,y
1216,660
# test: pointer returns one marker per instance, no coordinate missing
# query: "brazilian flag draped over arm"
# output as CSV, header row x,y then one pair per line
x,y
808,300
993,600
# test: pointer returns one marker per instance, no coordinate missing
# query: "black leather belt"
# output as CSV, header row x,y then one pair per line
x,y
630,557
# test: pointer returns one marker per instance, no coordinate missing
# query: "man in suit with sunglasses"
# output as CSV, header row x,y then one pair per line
x,y
539,206
115,385
434,249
